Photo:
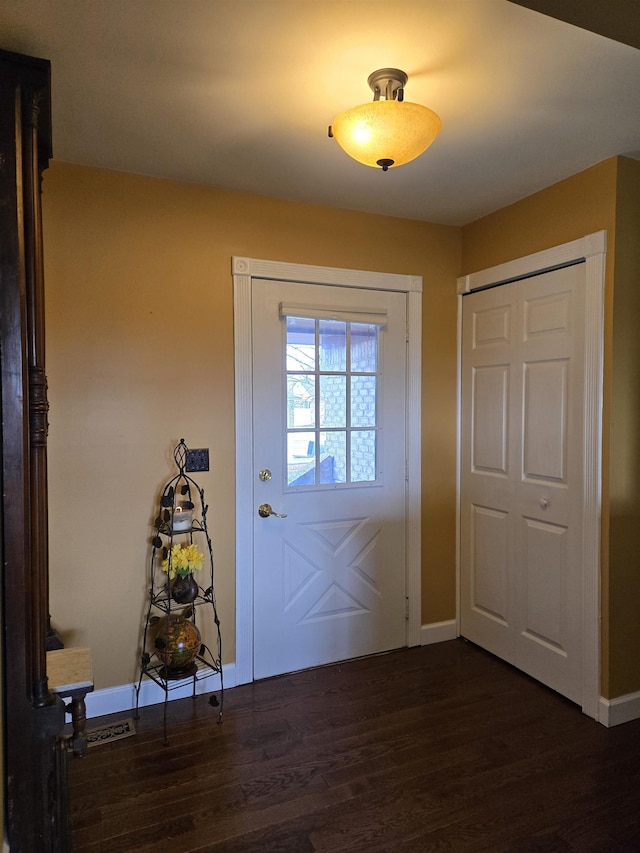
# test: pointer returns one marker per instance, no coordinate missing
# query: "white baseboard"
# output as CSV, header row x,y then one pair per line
x,y
438,632
622,709
114,700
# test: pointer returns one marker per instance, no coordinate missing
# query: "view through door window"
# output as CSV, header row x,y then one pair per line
x,y
332,384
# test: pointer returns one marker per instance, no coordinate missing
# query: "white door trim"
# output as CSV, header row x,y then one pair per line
x,y
591,250
244,270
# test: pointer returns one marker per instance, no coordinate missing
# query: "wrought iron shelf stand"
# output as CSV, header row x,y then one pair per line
x,y
180,495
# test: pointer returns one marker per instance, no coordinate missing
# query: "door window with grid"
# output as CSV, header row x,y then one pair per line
x,y
331,398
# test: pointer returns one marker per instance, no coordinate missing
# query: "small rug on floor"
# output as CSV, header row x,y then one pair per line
x,y
107,734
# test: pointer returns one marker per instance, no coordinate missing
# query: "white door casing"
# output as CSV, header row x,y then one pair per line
x,y
523,484
245,273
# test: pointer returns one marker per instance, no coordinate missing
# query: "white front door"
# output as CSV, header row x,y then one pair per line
x,y
329,385
523,474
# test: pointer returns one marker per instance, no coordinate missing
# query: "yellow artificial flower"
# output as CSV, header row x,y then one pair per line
x,y
183,561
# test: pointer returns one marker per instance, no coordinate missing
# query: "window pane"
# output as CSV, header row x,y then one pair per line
x,y
333,401
301,459
363,401
333,457
331,386
333,345
363,456
364,348
301,344
301,400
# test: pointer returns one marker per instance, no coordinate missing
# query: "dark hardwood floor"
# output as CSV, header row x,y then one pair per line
x,y
440,748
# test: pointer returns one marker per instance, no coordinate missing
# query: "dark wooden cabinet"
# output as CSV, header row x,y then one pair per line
x,y
35,755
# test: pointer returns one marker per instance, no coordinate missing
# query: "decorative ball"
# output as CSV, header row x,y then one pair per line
x,y
176,642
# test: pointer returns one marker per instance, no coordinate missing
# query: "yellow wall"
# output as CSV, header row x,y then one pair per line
x,y
605,197
624,507
140,354
579,205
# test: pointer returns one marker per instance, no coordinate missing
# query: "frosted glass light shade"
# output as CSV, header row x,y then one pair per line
x,y
394,132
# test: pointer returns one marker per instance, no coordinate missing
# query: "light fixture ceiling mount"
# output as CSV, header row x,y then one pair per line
x,y
390,80
388,131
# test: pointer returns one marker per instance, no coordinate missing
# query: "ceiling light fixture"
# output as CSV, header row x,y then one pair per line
x,y
389,132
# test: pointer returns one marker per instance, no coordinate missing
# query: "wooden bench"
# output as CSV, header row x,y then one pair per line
x,y
70,675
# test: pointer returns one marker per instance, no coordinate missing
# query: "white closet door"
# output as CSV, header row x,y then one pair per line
x,y
522,489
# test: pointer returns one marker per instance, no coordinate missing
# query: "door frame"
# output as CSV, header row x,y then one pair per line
x,y
590,250
244,270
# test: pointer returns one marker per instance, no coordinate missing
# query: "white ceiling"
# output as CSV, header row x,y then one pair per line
x,y
239,94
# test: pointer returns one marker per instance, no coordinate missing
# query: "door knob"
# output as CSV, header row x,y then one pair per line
x,y
544,503
265,510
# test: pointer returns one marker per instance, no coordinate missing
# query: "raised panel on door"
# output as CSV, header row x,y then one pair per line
x,y
489,568
544,584
337,590
544,433
489,443
491,325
